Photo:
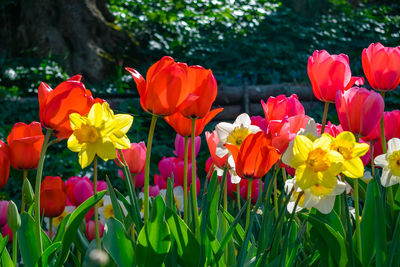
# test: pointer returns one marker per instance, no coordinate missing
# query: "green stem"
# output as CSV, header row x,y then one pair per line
x,y
185,180
39,173
276,198
249,204
238,196
15,249
325,115
51,228
147,168
284,175
356,206
25,174
194,195
371,147
224,222
96,212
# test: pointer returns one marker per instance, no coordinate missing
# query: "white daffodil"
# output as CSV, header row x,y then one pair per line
x,y
106,211
233,133
310,131
390,162
58,220
178,197
308,199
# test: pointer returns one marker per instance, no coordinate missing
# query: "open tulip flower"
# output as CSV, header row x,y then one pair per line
x,y
135,157
4,164
165,88
281,106
99,133
56,105
26,140
359,110
382,66
390,162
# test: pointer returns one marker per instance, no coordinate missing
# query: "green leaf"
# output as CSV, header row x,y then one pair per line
x,y
5,258
73,224
114,202
117,243
61,229
3,243
188,247
27,240
331,237
154,240
47,253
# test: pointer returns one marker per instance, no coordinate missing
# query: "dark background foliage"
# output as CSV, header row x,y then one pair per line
x,y
258,42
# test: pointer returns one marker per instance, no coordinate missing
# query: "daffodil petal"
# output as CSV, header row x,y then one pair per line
x,y
73,144
306,177
326,204
323,142
385,178
301,147
360,149
120,142
86,156
347,136
107,151
242,120
393,145
96,116
76,120
223,129
381,161
353,168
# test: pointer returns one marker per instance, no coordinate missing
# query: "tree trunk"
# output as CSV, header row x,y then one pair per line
x,y
79,32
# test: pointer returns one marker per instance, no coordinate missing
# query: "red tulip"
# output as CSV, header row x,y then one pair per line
x,y
165,89
202,84
4,164
25,143
359,110
56,105
281,106
392,127
255,190
382,66
183,125
328,74
6,231
91,230
255,156
53,196
330,128
212,141
135,157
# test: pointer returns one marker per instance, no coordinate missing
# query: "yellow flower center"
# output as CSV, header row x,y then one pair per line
x,y
108,211
237,136
86,134
394,163
343,147
318,160
58,220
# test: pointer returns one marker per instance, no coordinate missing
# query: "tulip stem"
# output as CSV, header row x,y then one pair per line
x,y
356,206
51,228
238,196
324,116
147,167
276,197
224,222
194,189
96,212
371,147
15,249
39,173
248,205
25,174
185,180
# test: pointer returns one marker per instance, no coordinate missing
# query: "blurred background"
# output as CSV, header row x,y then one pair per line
x,y
259,48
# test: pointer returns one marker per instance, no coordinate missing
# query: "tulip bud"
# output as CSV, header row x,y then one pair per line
x,y
13,218
27,193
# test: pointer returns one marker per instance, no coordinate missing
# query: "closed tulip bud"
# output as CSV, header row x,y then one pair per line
x,y
13,218
27,192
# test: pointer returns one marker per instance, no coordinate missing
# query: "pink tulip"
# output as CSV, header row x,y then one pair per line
x,y
328,74
79,189
91,231
382,66
135,157
281,106
260,122
179,173
180,146
359,110
330,128
3,212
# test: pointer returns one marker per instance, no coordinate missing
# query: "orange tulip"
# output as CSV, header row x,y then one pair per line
x,y
53,196
4,164
255,156
212,141
166,88
183,126
25,143
56,105
202,83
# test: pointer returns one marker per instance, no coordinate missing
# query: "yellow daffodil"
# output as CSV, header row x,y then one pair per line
x,y
345,143
98,133
317,166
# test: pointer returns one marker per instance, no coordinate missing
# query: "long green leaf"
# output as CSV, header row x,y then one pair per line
x,y
114,201
27,240
47,253
5,258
